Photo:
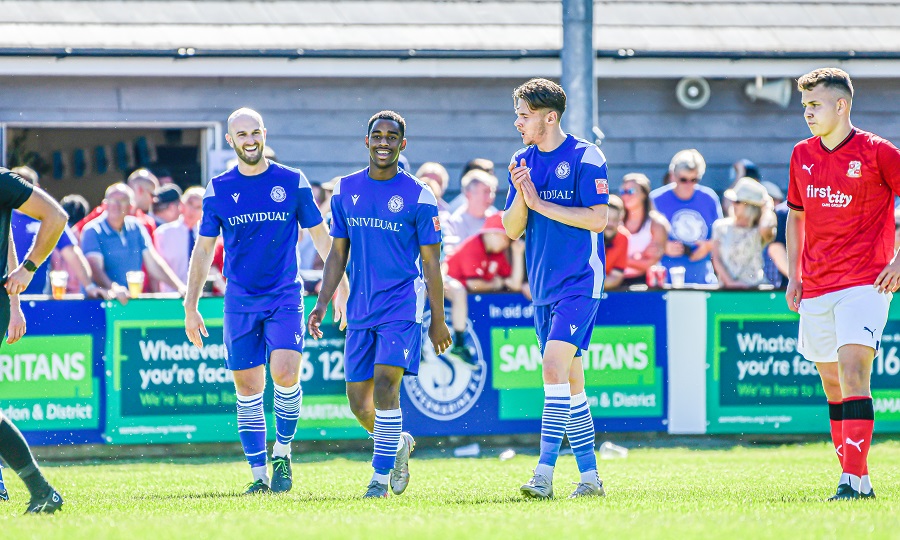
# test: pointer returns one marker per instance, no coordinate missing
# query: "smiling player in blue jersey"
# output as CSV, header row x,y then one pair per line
x,y
390,219
258,206
558,197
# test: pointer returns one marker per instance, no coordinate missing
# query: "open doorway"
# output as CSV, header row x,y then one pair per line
x,y
85,159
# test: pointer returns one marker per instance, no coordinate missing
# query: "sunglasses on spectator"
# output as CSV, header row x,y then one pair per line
x,y
684,180
628,191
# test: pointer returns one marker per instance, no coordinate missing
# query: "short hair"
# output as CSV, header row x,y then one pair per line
x,y
193,191
478,164
542,94
616,202
477,175
76,207
829,78
688,160
435,169
388,115
143,176
26,172
244,111
122,188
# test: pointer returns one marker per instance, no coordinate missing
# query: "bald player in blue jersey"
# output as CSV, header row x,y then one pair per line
x,y
258,207
390,219
558,197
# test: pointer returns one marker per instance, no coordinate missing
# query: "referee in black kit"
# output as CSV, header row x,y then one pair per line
x,y
16,193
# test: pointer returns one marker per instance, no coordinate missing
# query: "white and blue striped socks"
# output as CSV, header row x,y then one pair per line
x,y
580,431
388,426
252,431
553,426
287,411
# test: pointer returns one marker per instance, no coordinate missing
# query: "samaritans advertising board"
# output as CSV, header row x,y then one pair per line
x,y
621,375
625,370
47,382
161,388
757,382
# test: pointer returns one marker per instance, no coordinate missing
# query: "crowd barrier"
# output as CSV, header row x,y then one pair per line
x,y
677,361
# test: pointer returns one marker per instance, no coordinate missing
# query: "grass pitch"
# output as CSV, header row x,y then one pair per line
x,y
770,492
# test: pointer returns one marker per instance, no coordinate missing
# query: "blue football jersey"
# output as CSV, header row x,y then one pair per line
x,y
258,218
563,260
386,221
692,222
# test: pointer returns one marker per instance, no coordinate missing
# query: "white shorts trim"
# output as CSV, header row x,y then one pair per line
x,y
854,316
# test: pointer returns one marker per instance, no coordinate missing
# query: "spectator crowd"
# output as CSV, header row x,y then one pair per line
x,y
139,239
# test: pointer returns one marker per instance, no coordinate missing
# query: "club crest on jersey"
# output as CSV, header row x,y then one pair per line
x,y
602,186
395,204
854,170
563,170
278,194
437,223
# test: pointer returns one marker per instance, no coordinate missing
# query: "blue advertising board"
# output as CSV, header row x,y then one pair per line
x,y
625,371
51,380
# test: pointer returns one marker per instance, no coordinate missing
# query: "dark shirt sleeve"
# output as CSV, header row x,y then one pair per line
x,y
781,215
14,190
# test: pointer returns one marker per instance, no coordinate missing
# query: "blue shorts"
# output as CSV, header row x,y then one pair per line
x,y
251,337
395,343
570,319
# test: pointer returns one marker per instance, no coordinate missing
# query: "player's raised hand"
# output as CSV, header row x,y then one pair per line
x,y
888,280
529,192
440,337
519,172
194,327
316,316
793,294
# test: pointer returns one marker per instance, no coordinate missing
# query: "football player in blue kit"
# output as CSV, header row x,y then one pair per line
x,y
258,207
558,197
390,219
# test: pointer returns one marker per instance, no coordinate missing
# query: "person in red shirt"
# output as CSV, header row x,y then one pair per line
x,y
841,261
481,262
615,239
144,184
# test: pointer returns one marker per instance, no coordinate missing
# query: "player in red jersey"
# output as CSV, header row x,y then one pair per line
x,y
841,260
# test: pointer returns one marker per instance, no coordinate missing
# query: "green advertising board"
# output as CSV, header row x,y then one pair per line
x,y
757,382
622,379
48,384
162,389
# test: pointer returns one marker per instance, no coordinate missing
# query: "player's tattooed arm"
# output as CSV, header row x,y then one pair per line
x,y
335,266
438,332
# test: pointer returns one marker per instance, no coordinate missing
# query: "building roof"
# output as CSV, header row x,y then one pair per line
x,y
449,29
639,25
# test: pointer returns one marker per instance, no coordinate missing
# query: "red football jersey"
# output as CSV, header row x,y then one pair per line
x,y
847,196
